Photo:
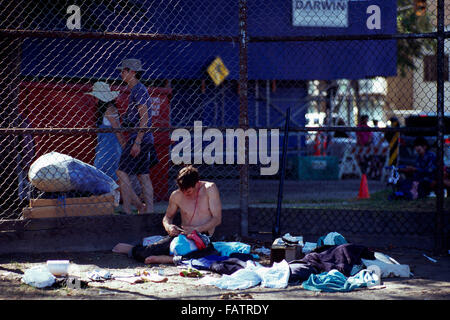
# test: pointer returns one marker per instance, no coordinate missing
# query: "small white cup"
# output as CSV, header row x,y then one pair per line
x,y
58,267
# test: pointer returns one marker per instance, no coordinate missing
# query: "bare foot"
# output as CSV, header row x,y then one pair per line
x,y
158,259
143,209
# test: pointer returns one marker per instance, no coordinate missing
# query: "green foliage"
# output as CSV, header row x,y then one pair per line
x,y
409,22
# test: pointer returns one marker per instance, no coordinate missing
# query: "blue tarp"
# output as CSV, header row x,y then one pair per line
x,y
188,60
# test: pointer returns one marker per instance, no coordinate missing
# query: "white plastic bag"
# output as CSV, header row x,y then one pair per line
x,y
252,275
241,279
39,277
276,277
388,266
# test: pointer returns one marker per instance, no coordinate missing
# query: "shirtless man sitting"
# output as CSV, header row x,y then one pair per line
x,y
200,209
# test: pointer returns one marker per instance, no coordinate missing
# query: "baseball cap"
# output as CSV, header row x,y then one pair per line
x,y
132,64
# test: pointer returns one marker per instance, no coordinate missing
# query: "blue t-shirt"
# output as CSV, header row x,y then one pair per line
x,y
426,166
138,95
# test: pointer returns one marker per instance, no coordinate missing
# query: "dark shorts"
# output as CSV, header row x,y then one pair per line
x,y
138,165
159,248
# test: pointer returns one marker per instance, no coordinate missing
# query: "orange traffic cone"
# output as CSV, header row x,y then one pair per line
x,y
363,188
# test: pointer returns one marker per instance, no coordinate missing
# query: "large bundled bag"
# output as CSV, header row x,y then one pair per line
x,y
56,172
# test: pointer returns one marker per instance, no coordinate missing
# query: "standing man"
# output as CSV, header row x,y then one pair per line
x,y
135,159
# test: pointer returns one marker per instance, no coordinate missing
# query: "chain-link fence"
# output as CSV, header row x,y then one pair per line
x,y
362,80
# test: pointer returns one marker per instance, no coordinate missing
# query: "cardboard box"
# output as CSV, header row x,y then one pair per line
x,y
70,207
289,253
71,201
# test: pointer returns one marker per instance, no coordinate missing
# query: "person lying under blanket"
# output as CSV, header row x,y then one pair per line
x,y
200,210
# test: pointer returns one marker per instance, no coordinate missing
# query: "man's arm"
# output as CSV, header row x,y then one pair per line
x,y
110,114
215,205
143,114
171,211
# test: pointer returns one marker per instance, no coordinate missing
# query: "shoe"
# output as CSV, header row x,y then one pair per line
x,y
289,239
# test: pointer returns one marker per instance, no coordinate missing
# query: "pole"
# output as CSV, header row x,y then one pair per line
x,y
439,229
243,113
276,229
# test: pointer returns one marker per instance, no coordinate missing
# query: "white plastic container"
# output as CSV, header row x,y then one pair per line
x,y
58,267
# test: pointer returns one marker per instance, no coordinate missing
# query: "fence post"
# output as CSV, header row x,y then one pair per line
x,y
276,232
439,217
243,113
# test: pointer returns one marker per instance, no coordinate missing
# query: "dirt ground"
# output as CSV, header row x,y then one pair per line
x,y
431,281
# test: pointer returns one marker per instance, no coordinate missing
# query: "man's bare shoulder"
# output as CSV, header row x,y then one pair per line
x,y
211,188
176,195
209,185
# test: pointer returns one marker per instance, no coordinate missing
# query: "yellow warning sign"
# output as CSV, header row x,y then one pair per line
x,y
217,71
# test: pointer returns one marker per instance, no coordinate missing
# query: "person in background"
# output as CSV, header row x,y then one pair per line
x,y
338,133
109,145
377,160
377,136
363,139
423,173
135,158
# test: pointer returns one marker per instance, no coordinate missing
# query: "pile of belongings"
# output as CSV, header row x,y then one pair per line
x,y
333,266
224,258
238,267
201,254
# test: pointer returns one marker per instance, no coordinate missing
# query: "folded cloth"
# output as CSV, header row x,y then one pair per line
x,y
335,281
200,240
227,248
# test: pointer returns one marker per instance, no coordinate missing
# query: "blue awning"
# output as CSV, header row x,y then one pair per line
x,y
188,60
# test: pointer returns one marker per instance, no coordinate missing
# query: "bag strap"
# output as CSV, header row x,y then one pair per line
x,y
195,207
